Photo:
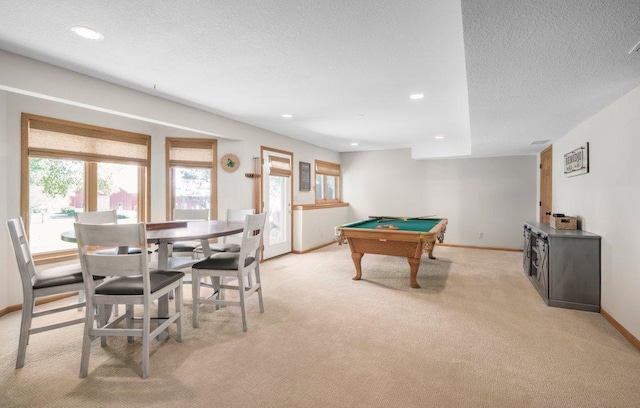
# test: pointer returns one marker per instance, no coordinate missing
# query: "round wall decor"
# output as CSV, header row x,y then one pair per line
x,y
230,162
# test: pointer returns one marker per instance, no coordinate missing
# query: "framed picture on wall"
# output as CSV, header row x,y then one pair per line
x,y
576,162
305,176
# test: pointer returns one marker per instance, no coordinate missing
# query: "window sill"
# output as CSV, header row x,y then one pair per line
x,y
54,257
319,206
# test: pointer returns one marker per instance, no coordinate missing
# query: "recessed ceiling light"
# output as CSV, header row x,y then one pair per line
x,y
439,137
354,143
417,96
87,32
287,115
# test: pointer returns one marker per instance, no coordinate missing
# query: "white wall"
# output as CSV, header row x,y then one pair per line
x,y
6,255
314,228
493,196
33,87
608,200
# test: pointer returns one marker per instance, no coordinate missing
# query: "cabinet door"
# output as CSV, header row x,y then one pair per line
x,y
575,271
526,252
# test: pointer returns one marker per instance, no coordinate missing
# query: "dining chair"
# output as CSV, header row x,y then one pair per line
x,y
102,217
37,284
240,265
188,247
231,243
129,282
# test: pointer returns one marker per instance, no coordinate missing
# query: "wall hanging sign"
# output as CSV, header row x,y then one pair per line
x,y
576,162
230,162
305,176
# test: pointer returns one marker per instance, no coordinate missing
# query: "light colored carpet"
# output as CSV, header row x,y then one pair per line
x,y
475,335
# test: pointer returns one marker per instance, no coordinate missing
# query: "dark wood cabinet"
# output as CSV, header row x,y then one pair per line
x,y
563,266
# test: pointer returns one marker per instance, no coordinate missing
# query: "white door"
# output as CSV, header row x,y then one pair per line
x,y
276,198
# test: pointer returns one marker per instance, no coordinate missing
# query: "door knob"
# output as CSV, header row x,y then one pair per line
x,y
547,213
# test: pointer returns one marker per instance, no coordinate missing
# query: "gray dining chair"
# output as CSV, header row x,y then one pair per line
x,y
129,282
243,265
37,284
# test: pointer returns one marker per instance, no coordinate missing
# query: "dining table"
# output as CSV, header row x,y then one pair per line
x,y
163,234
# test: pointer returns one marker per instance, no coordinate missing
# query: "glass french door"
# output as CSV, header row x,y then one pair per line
x,y
276,198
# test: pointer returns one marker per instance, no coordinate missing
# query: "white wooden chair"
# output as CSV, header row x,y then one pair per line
x,y
188,247
97,217
128,282
102,217
240,265
52,281
231,243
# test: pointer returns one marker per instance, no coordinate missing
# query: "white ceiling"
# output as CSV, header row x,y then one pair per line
x,y
496,74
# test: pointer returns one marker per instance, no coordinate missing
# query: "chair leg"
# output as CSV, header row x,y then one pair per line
x,y
146,329
129,319
259,290
179,309
195,294
104,311
81,298
25,325
217,282
86,341
243,297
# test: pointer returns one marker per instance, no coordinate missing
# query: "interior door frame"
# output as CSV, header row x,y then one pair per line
x,y
546,183
264,149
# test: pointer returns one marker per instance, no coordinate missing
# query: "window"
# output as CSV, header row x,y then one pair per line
x,y
71,167
327,182
191,175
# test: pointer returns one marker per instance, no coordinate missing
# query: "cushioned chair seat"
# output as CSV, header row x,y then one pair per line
x,y
51,278
222,261
133,285
185,246
225,247
130,251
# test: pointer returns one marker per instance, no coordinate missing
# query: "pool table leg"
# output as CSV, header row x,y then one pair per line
x,y
414,264
429,245
357,257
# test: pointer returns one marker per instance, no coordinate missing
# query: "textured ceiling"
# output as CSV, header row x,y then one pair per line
x,y
496,74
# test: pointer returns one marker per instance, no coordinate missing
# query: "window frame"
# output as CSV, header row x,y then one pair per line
x,y
90,161
324,169
170,165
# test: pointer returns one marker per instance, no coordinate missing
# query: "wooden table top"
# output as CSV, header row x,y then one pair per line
x,y
193,231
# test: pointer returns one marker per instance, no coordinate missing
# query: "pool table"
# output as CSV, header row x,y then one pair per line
x,y
396,236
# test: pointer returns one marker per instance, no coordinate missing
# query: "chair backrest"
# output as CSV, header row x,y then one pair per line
x,y
96,263
23,252
186,215
252,237
237,214
97,217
